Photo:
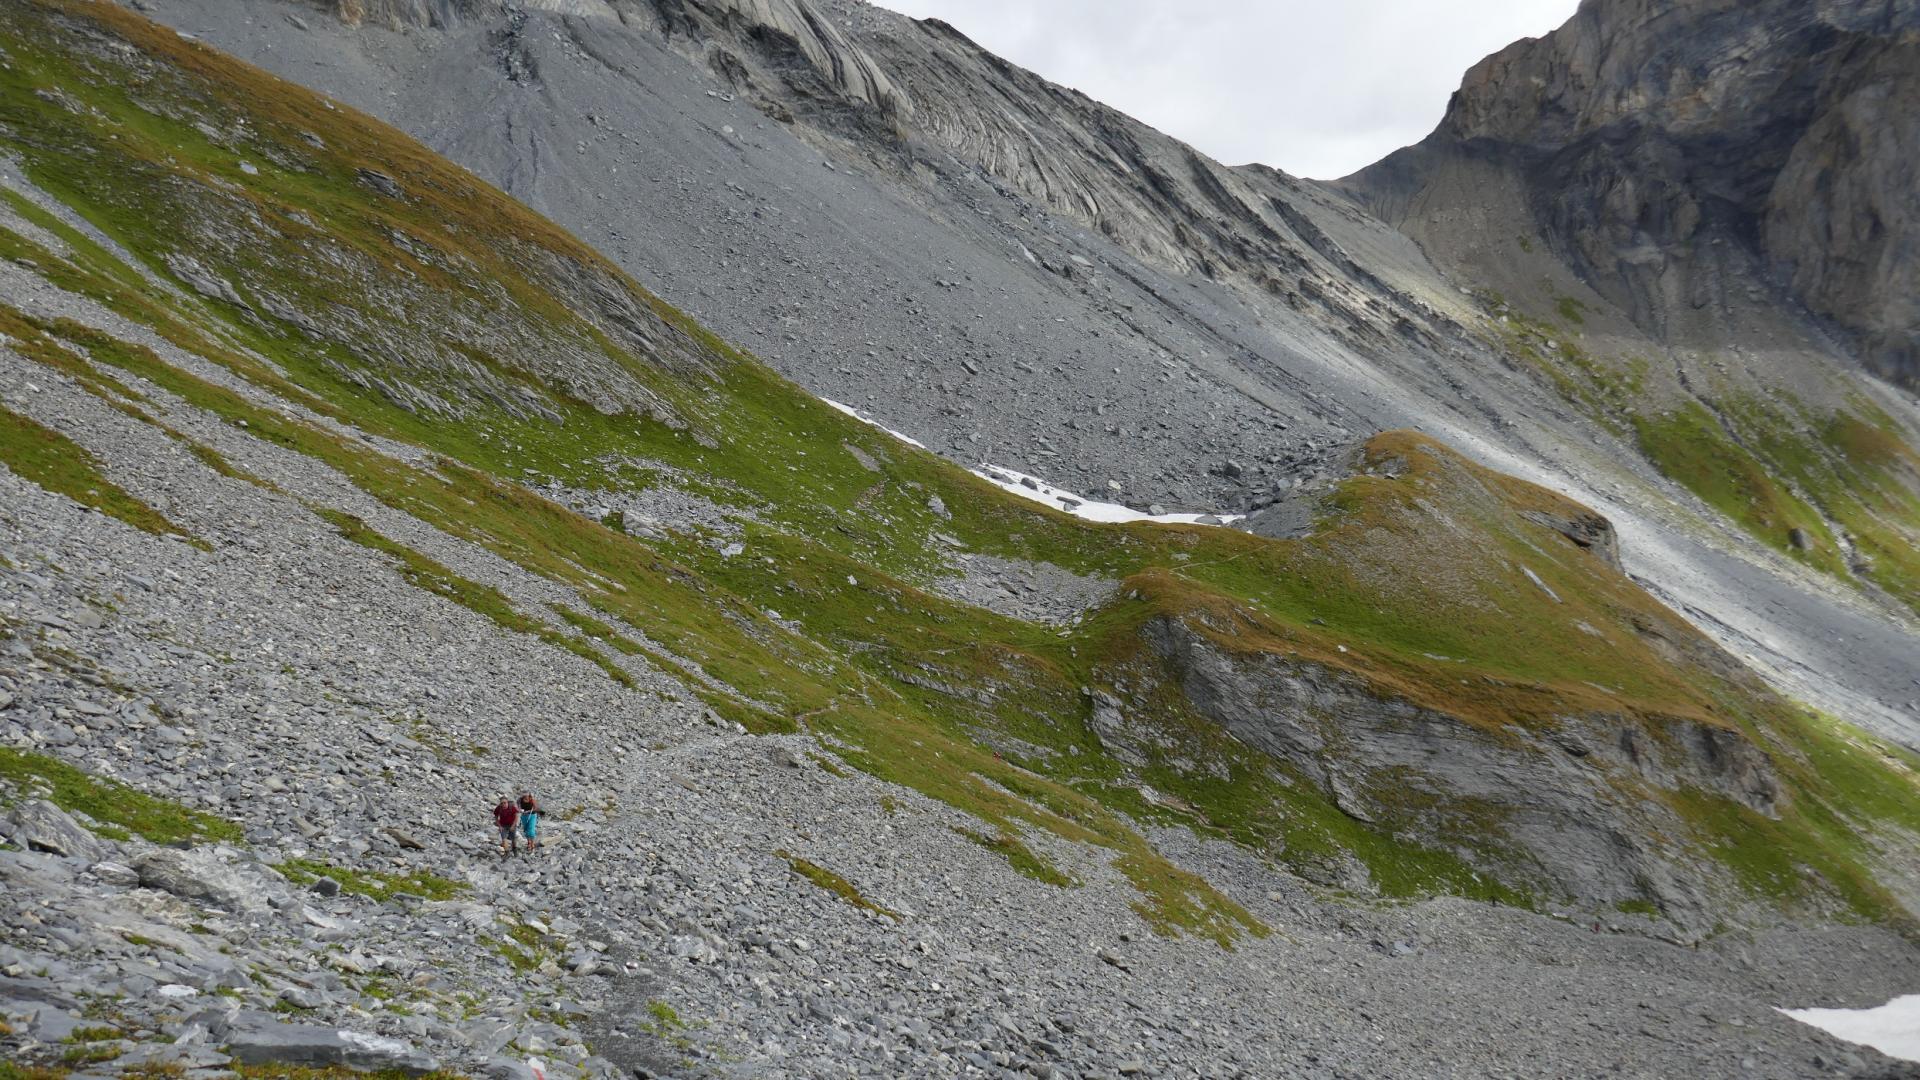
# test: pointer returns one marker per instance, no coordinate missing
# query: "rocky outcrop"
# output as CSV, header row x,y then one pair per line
x,y
808,53
1574,806
1686,155
786,37
1588,530
423,13
38,825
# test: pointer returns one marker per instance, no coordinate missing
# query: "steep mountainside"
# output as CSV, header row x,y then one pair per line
x,y
1014,274
343,493
1706,157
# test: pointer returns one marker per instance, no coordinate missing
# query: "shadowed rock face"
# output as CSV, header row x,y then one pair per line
x,y
1687,155
1577,803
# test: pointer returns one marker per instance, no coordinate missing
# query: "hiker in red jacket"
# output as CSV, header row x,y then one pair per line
x,y
505,816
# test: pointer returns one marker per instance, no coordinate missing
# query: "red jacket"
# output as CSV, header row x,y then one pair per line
x,y
505,816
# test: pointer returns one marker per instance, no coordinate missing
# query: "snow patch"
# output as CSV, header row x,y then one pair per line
x,y
1893,1028
1047,494
871,422
1037,490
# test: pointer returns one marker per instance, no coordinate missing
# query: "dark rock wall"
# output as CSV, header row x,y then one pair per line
x,y
1679,153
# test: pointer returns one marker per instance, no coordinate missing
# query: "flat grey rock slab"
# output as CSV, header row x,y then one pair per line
x,y
252,1042
41,826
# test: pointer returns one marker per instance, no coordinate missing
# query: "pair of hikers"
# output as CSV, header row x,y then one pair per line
x,y
518,820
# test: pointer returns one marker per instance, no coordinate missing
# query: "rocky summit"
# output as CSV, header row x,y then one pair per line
x,y
1694,161
1472,634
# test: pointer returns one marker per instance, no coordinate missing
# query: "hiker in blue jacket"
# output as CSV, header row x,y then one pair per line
x,y
530,815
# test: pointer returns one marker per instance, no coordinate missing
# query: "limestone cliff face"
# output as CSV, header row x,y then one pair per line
x,y
786,34
1681,154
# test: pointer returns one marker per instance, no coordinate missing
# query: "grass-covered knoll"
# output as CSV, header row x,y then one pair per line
x,y
520,351
120,812
1426,566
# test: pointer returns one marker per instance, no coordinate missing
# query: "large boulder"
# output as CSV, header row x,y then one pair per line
x,y
216,877
38,825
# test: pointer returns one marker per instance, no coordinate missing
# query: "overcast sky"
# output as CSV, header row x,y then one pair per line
x,y
1316,87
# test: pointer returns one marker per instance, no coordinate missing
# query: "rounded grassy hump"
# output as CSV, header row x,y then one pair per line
x,y
1434,580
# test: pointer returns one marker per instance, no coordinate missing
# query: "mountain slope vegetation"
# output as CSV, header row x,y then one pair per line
x,y
347,295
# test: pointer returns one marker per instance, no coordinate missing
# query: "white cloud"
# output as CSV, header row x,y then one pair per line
x,y
1318,89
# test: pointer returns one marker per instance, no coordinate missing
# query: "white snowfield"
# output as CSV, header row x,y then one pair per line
x,y
1037,490
1893,1028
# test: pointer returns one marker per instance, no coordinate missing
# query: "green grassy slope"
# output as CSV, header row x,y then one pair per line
x,y
338,270
1847,478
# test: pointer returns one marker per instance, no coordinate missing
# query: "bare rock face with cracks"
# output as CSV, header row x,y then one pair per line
x,y
1705,157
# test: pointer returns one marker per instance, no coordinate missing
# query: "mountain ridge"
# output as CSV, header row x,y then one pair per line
x,y
983,294
1774,130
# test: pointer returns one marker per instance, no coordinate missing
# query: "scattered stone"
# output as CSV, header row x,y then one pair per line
x,y
380,182
402,839
114,873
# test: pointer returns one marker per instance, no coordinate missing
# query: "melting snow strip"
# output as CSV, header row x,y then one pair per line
x,y
1037,490
1893,1028
871,422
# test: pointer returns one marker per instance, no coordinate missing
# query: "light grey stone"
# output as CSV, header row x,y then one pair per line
x,y
41,826
251,1041
114,873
